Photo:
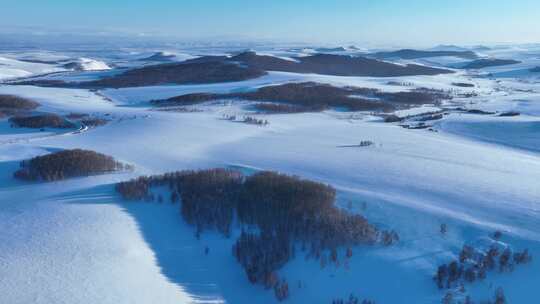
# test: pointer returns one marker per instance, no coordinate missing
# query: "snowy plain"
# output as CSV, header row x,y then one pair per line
x,y
76,241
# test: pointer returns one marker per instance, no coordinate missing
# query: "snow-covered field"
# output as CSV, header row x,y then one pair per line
x,y
76,241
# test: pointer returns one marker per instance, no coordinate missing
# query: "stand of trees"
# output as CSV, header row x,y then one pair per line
x,y
276,108
352,300
12,105
17,103
474,264
283,210
485,63
38,121
498,298
315,97
67,164
177,73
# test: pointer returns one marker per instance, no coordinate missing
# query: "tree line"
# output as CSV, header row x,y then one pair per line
x,y
315,97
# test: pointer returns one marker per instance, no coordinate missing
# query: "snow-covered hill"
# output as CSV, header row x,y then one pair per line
x,y
12,68
87,64
77,241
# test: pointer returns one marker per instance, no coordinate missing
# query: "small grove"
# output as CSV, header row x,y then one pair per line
x,y
66,164
11,105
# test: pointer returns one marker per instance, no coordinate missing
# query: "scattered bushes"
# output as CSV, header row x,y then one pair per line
x,y
255,121
247,119
42,121
67,164
474,264
352,300
284,210
87,120
498,298
400,83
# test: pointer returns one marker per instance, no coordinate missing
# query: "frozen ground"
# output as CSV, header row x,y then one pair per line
x,y
76,241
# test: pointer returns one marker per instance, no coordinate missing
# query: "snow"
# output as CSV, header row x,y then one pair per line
x,y
76,241
87,64
522,133
277,56
137,95
12,68
417,111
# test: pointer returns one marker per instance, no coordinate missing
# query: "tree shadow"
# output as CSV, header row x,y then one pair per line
x,y
208,278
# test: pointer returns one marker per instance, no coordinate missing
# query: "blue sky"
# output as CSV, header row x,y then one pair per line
x,y
406,22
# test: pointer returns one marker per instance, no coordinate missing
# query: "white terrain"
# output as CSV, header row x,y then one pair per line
x,y
474,170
